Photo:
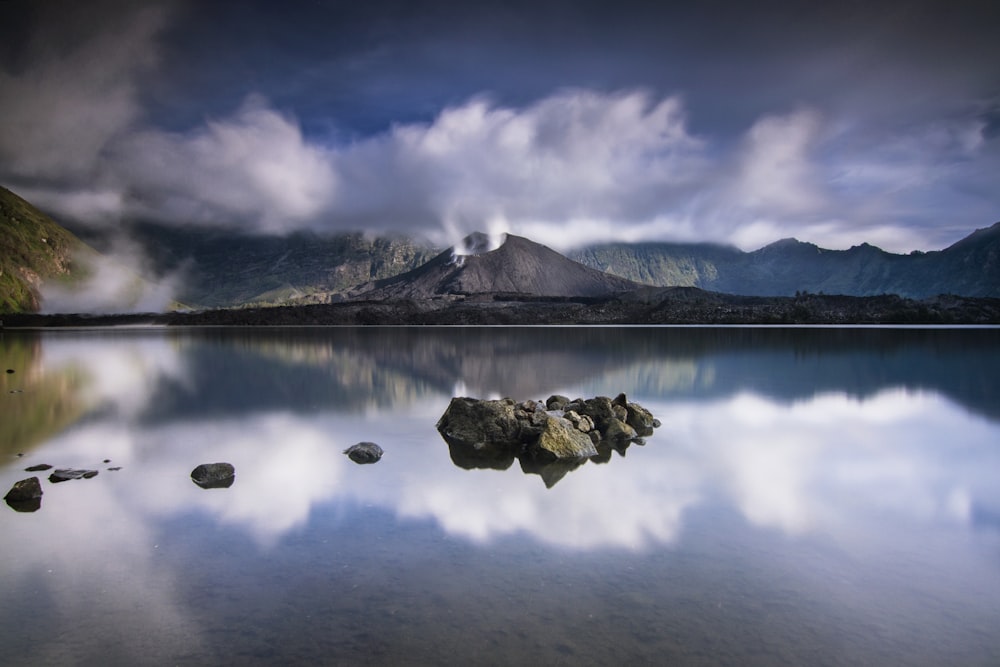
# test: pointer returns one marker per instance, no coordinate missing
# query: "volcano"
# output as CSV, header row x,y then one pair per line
x,y
517,267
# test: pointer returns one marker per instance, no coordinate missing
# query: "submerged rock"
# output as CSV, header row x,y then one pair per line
x,y
66,474
472,421
364,452
38,468
214,475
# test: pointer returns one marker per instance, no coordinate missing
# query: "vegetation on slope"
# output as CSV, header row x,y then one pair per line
x,y
33,248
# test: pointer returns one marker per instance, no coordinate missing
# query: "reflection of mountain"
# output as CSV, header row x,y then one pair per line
x,y
306,370
33,406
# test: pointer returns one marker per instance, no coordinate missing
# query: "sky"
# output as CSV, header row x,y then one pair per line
x,y
567,122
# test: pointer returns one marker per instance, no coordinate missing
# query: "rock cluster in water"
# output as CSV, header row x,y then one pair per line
x,y
549,438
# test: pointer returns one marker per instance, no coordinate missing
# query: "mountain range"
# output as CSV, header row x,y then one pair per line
x,y
219,267
970,267
223,268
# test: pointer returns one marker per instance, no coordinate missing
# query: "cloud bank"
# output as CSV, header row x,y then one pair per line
x,y
569,166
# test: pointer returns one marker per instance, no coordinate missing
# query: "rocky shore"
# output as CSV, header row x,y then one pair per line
x,y
648,306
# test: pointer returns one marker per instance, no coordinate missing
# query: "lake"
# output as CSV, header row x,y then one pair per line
x,y
814,496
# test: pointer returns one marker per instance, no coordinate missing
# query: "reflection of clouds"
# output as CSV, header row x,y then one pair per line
x,y
830,464
112,566
594,506
284,466
124,374
818,465
833,461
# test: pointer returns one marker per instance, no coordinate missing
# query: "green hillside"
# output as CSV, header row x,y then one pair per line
x,y
33,249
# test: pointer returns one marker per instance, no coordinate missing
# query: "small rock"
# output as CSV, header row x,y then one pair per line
x,y
214,475
600,410
10,370
107,460
115,468
66,474
583,423
26,489
364,452
556,402
617,430
38,468
640,419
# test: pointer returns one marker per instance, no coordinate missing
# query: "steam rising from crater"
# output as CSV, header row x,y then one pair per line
x,y
478,243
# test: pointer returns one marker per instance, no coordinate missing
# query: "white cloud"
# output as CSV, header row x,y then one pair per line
x,y
574,156
777,173
577,166
255,165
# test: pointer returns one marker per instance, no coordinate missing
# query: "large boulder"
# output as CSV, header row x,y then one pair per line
x,y
562,440
471,420
214,475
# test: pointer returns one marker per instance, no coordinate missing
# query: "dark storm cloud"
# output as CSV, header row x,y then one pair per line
x,y
566,121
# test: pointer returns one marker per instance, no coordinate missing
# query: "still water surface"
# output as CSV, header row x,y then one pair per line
x,y
814,496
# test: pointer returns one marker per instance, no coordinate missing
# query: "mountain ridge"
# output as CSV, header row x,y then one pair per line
x,y
222,267
969,267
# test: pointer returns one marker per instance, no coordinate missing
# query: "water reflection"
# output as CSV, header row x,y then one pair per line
x,y
873,448
798,438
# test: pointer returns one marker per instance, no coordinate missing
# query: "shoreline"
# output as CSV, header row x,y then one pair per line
x,y
667,306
